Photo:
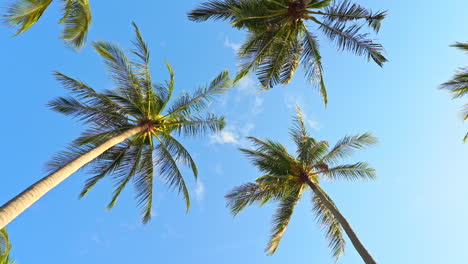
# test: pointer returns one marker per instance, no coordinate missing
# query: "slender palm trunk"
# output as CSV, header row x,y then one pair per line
x,y
24,200
365,255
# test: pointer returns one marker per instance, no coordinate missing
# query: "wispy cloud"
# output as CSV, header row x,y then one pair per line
x,y
225,137
234,135
199,190
232,45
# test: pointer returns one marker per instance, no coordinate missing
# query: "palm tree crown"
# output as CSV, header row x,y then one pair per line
x,y
458,86
136,102
76,18
286,177
279,38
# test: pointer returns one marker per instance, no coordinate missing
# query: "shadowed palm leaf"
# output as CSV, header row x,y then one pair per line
x,y
279,38
76,18
287,176
458,86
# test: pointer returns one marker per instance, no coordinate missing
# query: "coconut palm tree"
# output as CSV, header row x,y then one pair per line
x,y
131,132
458,86
286,177
279,36
5,247
76,17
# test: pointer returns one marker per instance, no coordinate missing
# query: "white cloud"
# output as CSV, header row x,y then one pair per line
x,y
234,135
257,107
232,45
247,85
225,137
199,190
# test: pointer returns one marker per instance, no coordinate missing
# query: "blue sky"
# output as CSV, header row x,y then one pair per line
x,y
415,212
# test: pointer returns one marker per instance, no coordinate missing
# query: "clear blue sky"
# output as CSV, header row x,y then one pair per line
x,y
415,212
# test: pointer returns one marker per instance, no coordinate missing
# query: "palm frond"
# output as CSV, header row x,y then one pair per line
x,y
179,152
256,49
201,98
312,62
196,125
346,11
333,230
266,163
349,38
346,146
129,169
272,148
121,69
25,13
170,172
458,85
5,247
105,165
77,19
351,172
281,220
144,184
218,10
264,190
318,4
461,45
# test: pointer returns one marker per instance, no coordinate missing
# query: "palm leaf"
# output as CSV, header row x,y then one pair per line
x,y
281,220
25,13
333,230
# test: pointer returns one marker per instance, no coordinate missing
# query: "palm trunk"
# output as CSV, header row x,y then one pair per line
x,y
365,255
24,200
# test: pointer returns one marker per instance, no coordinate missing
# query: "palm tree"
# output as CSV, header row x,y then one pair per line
x,y
131,130
286,177
76,18
5,247
458,86
279,37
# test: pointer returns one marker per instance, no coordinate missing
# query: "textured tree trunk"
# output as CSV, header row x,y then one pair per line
x,y
24,200
365,255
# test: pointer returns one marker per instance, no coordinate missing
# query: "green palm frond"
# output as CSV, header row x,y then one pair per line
x,y
281,220
349,38
287,176
170,172
312,62
76,17
25,13
346,146
5,248
199,101
333,230
461,45
351,172
458,85
279,38
136,102
265,189
347,11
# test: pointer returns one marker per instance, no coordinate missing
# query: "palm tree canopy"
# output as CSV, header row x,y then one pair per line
x,y
279,39
284,176
5,247
76,17
458,85
136,101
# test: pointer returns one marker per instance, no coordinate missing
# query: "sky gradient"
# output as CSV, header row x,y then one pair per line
x,y
415,212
